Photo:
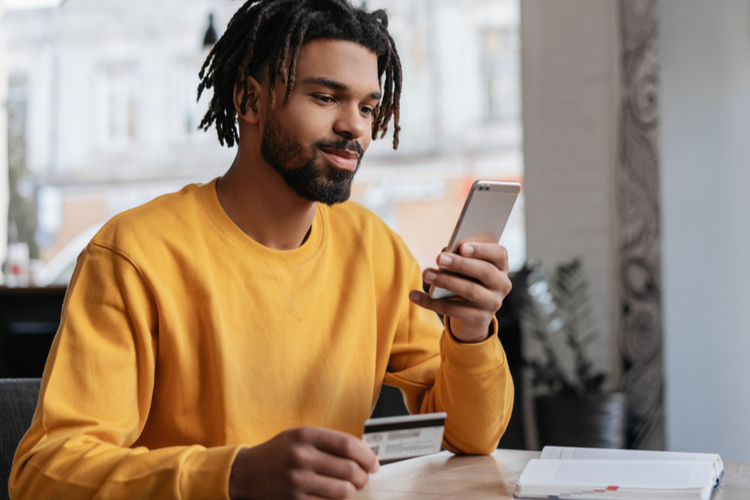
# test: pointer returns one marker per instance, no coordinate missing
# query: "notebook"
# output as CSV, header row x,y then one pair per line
x,y
601,474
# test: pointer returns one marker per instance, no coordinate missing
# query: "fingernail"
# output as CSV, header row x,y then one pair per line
x,y
445,260
414,296
468,249
377,466
430,276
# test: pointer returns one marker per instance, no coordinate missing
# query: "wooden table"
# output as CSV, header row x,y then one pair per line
x,y
446,476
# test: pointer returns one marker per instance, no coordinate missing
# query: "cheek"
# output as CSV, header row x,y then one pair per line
x,y
366,138
298,114
304,127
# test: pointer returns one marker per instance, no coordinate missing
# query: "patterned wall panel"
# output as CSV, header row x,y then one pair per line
x,y
638,259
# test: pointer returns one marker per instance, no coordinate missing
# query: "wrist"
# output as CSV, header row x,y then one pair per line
x,y
462,335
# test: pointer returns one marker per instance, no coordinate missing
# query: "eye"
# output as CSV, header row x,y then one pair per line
x,y
326,99
366,110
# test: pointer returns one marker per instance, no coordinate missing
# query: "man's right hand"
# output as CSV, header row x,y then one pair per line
x,y
305,462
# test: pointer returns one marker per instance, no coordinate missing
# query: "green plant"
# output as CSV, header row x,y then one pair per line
x,y
557,314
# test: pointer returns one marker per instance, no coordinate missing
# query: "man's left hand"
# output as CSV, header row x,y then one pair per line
x,y
471,312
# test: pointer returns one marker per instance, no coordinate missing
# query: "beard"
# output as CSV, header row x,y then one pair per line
x,y
311,177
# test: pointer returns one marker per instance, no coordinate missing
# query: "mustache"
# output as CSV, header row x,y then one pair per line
x,y
342,144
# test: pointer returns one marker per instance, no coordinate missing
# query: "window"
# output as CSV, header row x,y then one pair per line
x,y
21,209
116,110
501,70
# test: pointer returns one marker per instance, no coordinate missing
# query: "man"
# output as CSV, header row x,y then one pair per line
x,y
229,340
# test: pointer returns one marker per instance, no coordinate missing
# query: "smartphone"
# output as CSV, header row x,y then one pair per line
x,y
482,219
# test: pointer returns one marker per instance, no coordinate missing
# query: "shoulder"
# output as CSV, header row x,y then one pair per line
x,y
357,228
167,217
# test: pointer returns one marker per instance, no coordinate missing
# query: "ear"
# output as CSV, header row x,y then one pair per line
x,y
255,100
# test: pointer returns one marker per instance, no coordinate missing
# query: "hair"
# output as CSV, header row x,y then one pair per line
x,y
268,34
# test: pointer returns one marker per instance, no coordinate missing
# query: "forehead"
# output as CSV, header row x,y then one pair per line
x,y
342,61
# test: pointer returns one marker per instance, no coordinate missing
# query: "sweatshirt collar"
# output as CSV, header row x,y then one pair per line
x,y
268,256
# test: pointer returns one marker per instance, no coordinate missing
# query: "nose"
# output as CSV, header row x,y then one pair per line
x,y
350,123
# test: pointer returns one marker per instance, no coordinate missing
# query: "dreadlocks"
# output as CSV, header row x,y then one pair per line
x,y
271,32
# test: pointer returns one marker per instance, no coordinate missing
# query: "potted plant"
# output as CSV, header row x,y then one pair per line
x,y
571,407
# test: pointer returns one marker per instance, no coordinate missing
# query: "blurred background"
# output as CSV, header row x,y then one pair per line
x,y
102,116
625,120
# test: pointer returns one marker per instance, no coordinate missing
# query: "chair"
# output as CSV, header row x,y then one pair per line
x,y
18,399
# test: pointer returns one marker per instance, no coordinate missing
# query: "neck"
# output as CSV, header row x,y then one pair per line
x,y
258,200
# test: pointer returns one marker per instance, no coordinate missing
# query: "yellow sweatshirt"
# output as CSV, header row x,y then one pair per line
x,y
182,340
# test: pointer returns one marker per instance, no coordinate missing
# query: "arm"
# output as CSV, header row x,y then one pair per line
x,y
95,399
472,382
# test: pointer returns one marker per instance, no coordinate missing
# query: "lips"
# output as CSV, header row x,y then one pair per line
x,y
342,158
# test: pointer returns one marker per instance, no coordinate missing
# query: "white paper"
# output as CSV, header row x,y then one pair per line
x,y
624,474
572,453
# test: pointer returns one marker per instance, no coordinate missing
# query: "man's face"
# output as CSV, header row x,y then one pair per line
x,y
317,140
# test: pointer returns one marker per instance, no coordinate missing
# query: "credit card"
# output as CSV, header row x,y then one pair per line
x,y
408,436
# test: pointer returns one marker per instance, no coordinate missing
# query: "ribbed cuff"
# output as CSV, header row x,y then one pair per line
x,y
205,473
472,359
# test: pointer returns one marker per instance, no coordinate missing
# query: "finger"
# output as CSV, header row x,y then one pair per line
x,y
490,252
476,293
344,445
317,486
483,271
340,468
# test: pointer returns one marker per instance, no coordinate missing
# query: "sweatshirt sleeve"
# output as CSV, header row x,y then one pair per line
x,y
95,399
470,382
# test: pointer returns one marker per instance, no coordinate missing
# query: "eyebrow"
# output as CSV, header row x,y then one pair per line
x,y
335,85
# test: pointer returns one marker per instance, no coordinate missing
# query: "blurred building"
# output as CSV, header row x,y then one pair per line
x,y
103,117
4,191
